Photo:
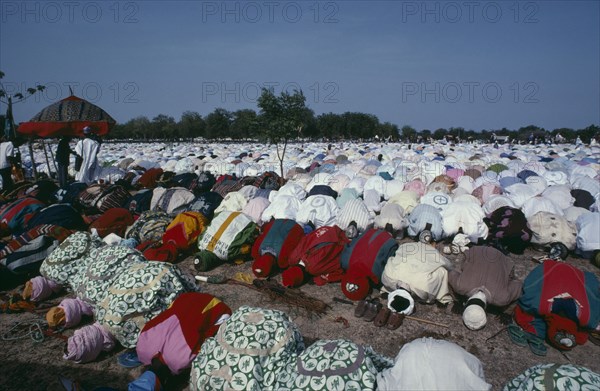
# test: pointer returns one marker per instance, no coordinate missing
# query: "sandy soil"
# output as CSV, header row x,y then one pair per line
x,y
27,365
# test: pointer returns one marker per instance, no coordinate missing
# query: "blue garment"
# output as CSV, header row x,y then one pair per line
x,y
322,190
526,174
509,180
386,175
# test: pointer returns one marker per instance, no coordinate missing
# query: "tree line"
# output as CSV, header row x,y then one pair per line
x,y
247,124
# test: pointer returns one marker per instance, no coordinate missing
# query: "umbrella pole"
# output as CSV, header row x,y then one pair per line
x,y
47,160
34,169
53,160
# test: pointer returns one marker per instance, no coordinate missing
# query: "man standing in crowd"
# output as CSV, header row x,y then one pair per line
x,y
88,149
7,155
63,153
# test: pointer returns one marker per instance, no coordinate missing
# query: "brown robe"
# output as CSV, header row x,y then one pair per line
x,y
488,270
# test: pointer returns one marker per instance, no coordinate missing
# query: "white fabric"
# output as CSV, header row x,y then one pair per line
x,y
438,200
181,196
556,178
519,193
372,201
467,198
540,204
467,183
184,165
588,231
391,214
407,199
291,189
474,316
584,182
282,207
7,150
358,184
429,364
233,202
466,215
248,192
583,170
321,210
420,269
377,184
219,237
406,295
354,210
560,195
339,182
572,213
495,202
392,188
548,228
255,208
88,149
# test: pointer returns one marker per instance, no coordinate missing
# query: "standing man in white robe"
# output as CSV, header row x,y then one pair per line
x,y
88,149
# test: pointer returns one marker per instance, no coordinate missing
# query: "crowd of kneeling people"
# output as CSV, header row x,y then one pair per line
x,y
116,249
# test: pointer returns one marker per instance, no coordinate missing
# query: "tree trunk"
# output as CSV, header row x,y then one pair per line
x,y
285,142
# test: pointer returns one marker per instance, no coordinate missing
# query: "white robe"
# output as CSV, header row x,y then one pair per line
x,y
430,364
88,150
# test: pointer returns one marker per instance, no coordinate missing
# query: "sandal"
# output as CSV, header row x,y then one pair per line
x,y
537,345
129,359
517,335
382,317
394,321
371,312
361,308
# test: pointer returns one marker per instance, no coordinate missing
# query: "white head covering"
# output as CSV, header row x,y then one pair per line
x,y
474,315
402,293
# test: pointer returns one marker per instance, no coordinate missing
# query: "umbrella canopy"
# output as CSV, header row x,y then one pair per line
x,y
68,117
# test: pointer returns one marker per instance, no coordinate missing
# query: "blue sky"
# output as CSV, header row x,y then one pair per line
x,y
428,64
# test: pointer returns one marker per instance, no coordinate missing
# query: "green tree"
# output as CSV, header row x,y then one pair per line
x,y
163,126
360,125
439,134
588,133
330,126
408,133
244,124
389,131
136,128
282,118
458,132
191,125
425,133
218,123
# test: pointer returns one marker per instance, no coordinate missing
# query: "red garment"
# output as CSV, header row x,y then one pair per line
x,y
176,335
114,220
320,253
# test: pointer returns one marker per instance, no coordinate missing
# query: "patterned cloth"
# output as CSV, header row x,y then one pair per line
x,y
66,265
150,226
555,377
140,292
258,349
248,352
123,288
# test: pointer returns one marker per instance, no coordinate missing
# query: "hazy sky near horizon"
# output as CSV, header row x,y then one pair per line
x,y
428,64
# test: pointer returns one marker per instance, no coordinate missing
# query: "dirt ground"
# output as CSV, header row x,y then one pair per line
x,y
29,365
